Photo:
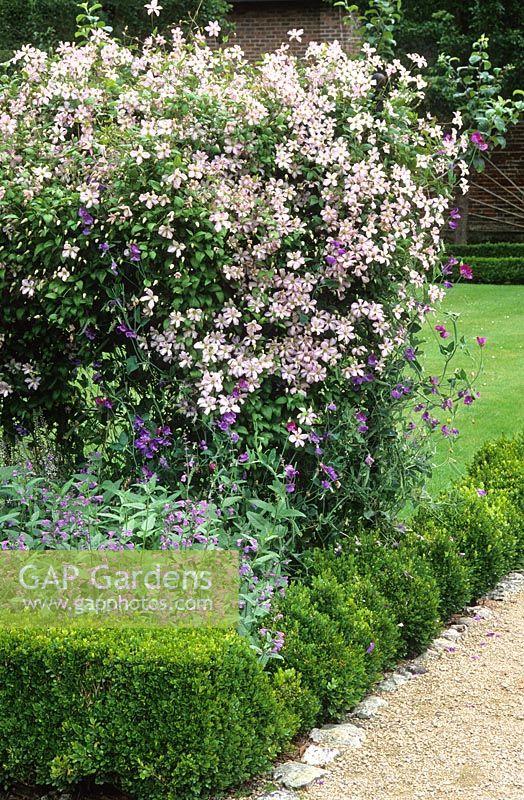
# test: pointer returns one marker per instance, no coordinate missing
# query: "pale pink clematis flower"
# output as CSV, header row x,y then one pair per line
x,y
213,28
153,8
295,34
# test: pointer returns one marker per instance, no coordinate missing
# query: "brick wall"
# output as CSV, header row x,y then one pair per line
x,y
263,26
496,197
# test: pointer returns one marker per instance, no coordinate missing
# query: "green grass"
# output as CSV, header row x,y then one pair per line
x,y
495,312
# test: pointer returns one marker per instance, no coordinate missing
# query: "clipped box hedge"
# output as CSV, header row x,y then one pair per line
x,y
489,249
163,715
501,262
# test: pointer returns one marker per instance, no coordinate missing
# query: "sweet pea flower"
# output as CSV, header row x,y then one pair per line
x,y
466,272
478,139
443,333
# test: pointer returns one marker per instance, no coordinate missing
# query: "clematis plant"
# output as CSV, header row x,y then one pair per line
x,y
263,241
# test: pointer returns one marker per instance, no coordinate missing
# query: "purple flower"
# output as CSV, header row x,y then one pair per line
x,y
290,488
85,216
397,392
468,400
447,268
409,354
478,139
466,272
481,341
454,215
481,492
372,360
278,642
331,407
330,472
234,437
370,647
369,460
129,333
104,247
89,333
243,458
290,471
134,252
226,420
325,484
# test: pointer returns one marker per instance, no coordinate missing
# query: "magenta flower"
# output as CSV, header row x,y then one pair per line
x,y
478,139
466,272
103,402
481,341
443,333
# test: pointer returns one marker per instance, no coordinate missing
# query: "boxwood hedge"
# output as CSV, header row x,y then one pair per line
x,y
163,715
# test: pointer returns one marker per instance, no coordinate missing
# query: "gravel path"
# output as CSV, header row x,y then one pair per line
x,y
454,733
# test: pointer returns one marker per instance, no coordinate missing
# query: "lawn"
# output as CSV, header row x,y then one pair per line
x,y
495,312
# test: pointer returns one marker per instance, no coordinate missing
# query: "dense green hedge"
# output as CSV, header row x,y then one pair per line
x,y
186,714
489,249
359,609
501,262
45,22
161,715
